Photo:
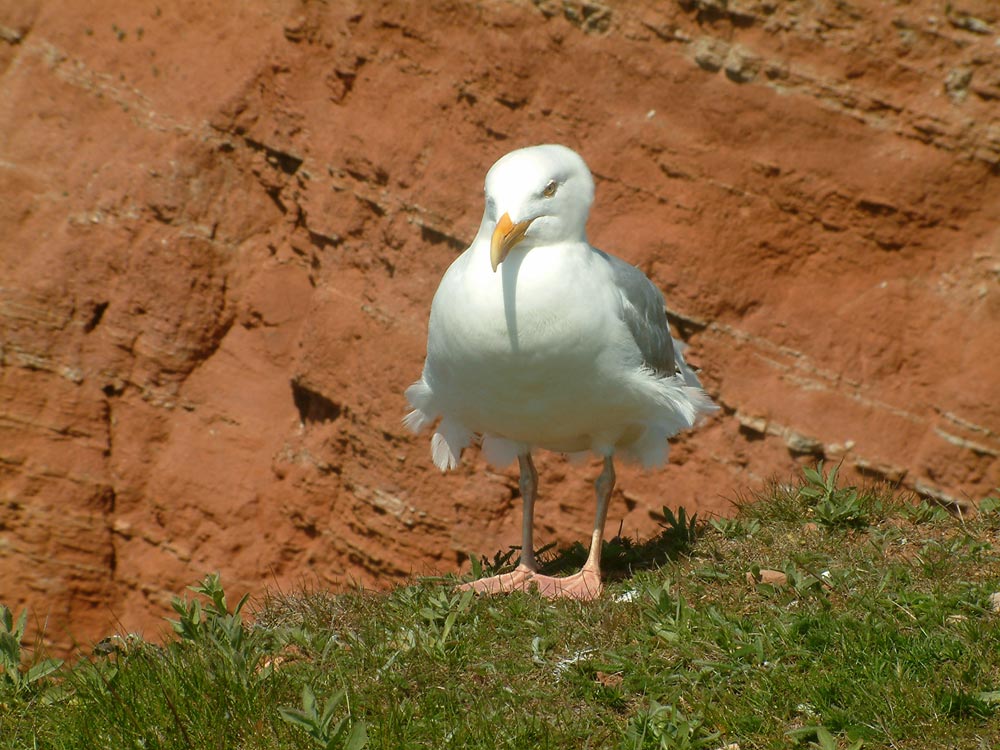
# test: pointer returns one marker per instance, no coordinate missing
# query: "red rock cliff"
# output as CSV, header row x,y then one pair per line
x,y
221,226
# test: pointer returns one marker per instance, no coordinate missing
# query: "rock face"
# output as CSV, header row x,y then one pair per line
x,y
221,227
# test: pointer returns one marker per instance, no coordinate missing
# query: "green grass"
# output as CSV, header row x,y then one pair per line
x,y
884,636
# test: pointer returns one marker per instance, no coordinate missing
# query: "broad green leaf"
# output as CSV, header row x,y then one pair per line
x,y
358,737
990,504
243,601
43,669
308,700
332,705
297,717
813,476
448,623
10,650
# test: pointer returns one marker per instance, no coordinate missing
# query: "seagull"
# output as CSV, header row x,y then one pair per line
x,y
537,340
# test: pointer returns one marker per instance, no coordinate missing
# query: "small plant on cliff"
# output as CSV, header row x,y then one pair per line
x,y
319,725
238,647
833,506
666,727
15,677
679,528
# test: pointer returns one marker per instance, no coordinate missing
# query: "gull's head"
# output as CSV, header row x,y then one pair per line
x,y
537,196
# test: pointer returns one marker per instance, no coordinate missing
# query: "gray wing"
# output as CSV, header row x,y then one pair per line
x,y
645,317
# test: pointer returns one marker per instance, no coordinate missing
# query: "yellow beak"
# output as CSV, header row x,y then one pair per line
x,y
505,236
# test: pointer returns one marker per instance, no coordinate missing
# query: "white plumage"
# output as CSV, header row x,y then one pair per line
x,y
538,340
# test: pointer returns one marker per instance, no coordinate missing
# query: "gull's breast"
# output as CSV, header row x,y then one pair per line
x,y
544,362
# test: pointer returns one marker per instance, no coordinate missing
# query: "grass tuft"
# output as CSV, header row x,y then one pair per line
x,y
820,616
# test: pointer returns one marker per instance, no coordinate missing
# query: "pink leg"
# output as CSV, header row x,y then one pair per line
x,y
517,579
585,585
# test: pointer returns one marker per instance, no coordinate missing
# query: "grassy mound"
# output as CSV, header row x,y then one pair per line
x,y
820,616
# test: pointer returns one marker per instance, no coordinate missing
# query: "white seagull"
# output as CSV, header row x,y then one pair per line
x,y
538,340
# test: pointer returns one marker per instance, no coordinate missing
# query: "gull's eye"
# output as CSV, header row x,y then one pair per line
x,y
550,189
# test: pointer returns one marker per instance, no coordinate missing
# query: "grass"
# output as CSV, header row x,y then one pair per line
x,y
882,635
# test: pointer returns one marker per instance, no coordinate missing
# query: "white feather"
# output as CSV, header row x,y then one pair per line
x,y
448,443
